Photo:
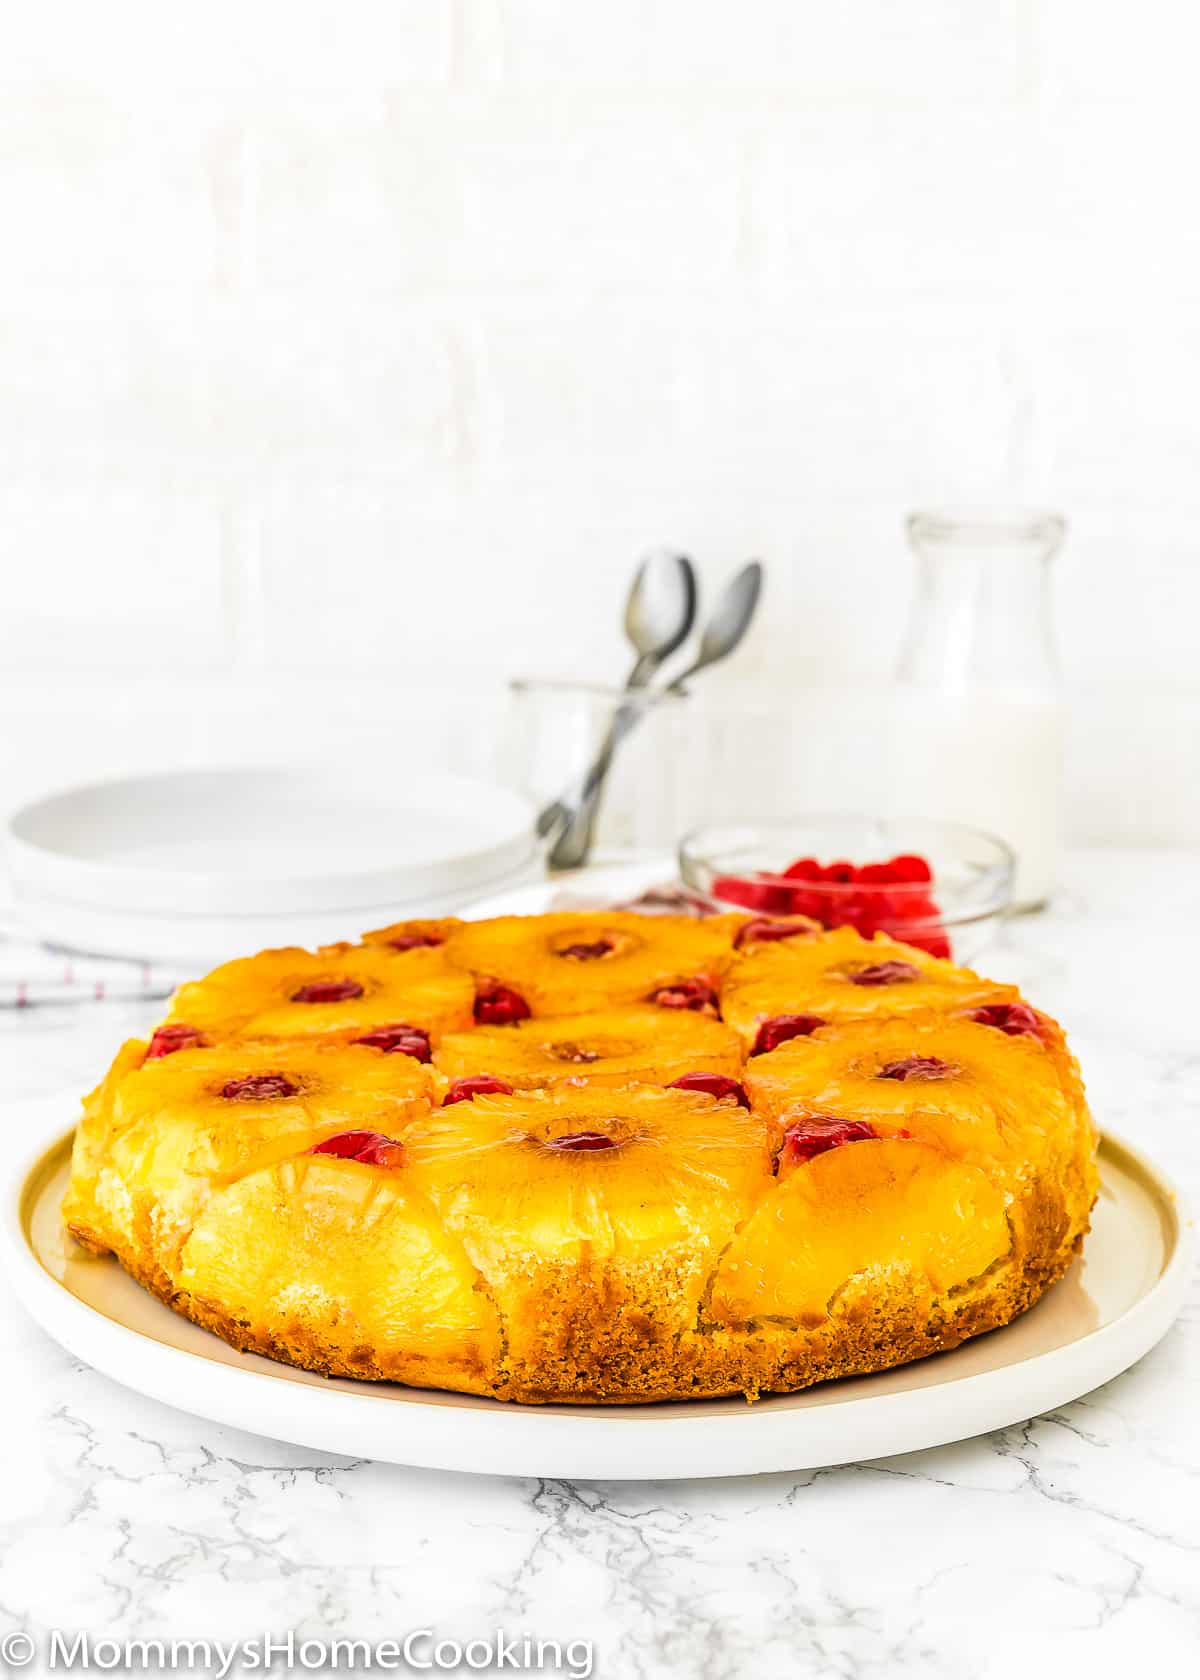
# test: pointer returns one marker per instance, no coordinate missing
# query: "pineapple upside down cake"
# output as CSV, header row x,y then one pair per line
x,y
593,1156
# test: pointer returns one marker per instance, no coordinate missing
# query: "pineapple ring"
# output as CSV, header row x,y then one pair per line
x,y
877,1207
282,1251
570,962
610,1047
506,1173
844,976
166,1133
425,934
980,1095
595,1218
344,989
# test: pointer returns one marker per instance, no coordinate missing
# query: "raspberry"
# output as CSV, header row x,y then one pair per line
x,y
687,994
408,1041
497,1006
935,943
371,1148
260,1087
804,869
768,897
876,875
909,867
889,973
918,1067
582,1140
1014,1019
811,902
174,1036
818,1132
328,991
713,1085
476,1085
780,1028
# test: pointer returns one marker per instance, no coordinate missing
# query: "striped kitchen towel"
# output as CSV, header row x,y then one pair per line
x,y
33,974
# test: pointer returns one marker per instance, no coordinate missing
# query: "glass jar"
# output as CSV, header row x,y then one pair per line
x,y
977,723
555,732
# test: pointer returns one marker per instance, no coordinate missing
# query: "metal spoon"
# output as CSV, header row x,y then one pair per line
x,y
730,620
659,613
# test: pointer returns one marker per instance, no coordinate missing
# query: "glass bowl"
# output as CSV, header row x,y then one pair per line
x,y
947,893
555,729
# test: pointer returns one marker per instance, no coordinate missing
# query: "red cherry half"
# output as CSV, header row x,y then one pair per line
x,y
1014,1019
891,973
260,1087
174,1036
819,1132
918,1067
716,1085
476,1085
780,1028
687,994
407,1041
328,991
497,1006
763,928
415,941
582,1140
371,1148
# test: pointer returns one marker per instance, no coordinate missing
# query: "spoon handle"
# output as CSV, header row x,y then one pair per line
x,y
573,847
559,811
574,843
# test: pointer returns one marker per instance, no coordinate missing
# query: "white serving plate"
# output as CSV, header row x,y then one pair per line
x,y
202,865
1116,1302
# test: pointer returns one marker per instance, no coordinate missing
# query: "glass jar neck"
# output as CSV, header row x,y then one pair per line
x,y
981,611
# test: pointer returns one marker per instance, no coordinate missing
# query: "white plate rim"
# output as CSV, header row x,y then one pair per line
x,y
99,882
464,1433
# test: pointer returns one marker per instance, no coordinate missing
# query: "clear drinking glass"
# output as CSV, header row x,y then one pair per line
x,y
977,725
556,729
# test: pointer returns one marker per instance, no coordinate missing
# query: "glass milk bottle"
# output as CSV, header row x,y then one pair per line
x,y
978,726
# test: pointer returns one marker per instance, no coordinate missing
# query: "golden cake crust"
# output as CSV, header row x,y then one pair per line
x,y
305,1173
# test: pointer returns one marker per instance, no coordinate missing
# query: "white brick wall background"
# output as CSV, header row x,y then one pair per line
x,y
351,352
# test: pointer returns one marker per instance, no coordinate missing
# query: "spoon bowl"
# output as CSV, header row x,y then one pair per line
x,y
659,611
730,620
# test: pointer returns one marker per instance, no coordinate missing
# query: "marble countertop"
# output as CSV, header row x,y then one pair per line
x,y
1069,1540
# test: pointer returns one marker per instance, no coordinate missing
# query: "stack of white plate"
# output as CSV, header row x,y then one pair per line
x,y
205,865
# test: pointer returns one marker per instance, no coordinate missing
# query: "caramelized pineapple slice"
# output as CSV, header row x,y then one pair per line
x,y
842,976
572,962
343,990
891,1214
595,1216
90,1150
604,1047
976,1093
182,1124
315,1256
423,934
